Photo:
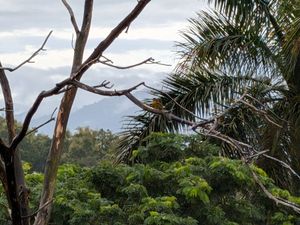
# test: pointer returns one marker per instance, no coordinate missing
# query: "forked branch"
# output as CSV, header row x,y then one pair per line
x,y
31,57
52,118
102,46
150,60
278,201
73,19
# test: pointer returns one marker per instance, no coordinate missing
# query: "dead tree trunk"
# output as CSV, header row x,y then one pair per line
x,y
78,70
62,119
18,170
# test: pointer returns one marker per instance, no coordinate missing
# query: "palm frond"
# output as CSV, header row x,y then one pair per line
x,y
136,128
248,46
216,42
190,97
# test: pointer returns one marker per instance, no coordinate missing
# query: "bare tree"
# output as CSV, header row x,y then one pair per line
x,y
11,173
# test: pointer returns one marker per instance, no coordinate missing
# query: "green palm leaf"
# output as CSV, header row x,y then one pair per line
x,y
244,46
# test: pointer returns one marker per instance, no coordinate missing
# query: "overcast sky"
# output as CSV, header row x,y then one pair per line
x,y
25,23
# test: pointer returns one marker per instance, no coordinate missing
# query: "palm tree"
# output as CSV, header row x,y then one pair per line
x,y
241,46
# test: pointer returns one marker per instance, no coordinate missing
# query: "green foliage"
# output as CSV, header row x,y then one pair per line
x,y
172,144
86,147
190,190
238,47
194,187
34,149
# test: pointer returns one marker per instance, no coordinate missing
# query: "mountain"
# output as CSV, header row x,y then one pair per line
x,y
107,113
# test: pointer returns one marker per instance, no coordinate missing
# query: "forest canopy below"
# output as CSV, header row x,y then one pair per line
x,y
176,179
236,87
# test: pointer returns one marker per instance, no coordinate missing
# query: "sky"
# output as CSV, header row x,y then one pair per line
x,y
25,23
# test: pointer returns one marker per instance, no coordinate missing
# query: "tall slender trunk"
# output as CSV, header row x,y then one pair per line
x,y
18,169
67,101
12,188
55,152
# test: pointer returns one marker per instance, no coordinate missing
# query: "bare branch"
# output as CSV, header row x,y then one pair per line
x,y
258,154
98,52
279,201
173,100
127,93
52,118
31,57
57,90
36,212
264,105
33,109
127,67
283,164
73,19
103,92
261,112
9,106
147,61
165,113
239,146
87,17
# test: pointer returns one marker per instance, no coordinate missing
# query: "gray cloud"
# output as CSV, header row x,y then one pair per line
x,y
28,82
39,16
22,14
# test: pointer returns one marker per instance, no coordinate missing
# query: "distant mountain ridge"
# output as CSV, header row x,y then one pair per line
x,y
107,113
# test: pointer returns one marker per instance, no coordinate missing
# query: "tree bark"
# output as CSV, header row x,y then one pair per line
x,y
10,121
12,188
78,70
55,152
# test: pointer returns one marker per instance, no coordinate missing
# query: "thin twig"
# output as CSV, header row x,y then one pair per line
x,y
94,90
256,155
52,118
146,61
36,212
31,57
263,105
107,59
283,164
173,100
73,19
106,84
127,29
280,201
261,112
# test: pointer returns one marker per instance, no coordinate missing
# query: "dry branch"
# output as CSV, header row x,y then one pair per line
x,y
31,57
150,60
247,151
52,118
98,52
283,164
36,212
277,200
173,100
73,19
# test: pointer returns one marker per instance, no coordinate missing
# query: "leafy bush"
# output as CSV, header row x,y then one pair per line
x,y
193,186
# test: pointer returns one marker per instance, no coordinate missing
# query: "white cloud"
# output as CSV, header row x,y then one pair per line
x,y
51,59
63,58
24,20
